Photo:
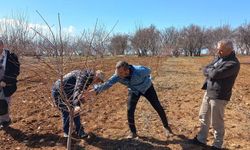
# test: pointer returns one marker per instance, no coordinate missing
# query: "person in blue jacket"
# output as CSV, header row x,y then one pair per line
x,y
138,81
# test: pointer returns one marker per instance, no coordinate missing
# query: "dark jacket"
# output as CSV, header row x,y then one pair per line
x,y
220,78
12,70
73,84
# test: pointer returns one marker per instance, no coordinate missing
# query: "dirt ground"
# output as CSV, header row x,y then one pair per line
x,y
38,125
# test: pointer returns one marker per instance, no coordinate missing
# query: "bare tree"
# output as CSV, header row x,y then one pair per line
x,y
170,37
57,46
192,40
16,33
242,38
62,48
80,46
119,43
146,41
96,43
213,36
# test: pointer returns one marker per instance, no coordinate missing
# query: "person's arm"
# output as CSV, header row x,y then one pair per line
x,y
209,67
106,85
226,70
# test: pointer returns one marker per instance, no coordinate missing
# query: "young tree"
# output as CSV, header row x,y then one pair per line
x,y
56,46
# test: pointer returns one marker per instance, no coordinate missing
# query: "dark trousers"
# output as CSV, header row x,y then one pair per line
x,y
77,122
65,114
152,97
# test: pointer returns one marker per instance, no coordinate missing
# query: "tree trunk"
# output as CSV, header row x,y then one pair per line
x,y
144,52
191,53
247,52
71,119
138,52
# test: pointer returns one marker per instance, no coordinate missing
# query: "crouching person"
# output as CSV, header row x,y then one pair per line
x,y
74,83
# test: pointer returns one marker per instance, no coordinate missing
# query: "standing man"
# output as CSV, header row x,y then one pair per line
x,y
9,70
138,81
74,83
220,76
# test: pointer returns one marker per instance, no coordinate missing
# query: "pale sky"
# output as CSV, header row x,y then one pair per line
x,y
77,15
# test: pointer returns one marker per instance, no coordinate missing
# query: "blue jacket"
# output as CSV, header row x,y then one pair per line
x,y
138,82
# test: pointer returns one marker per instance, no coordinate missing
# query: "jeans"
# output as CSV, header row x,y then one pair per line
x,y
77,122
65,114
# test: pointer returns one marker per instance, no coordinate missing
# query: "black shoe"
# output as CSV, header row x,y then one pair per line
x,y
195,141
82,134
168,131
215,148
5,124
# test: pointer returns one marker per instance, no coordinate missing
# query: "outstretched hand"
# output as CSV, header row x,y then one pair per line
x,y
88,95
91,92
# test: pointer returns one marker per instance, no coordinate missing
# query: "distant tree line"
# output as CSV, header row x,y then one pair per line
x,y
145,41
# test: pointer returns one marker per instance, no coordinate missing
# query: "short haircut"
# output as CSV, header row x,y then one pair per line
x,y
227,44
122,64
